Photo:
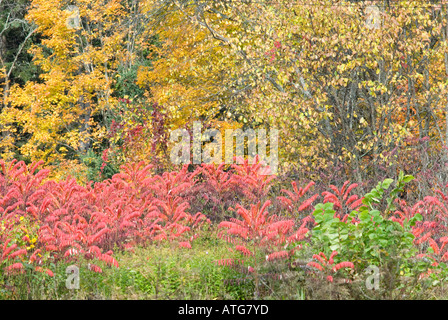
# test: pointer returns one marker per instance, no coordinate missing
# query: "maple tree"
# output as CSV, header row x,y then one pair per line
x,y
83,53
352,98
318,70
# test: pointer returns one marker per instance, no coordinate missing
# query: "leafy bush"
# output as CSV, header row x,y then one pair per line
x,y
370,237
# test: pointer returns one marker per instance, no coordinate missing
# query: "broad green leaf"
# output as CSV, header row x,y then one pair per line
x,y
408,178
386,183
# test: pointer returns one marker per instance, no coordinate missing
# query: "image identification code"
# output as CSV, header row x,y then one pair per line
x,y
231,309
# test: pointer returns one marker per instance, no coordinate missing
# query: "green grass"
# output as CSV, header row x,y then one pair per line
x,y
164,271
158,271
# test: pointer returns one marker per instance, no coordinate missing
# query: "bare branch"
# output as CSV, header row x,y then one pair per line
x,y
19,51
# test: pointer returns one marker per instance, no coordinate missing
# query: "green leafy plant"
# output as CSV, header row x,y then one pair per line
x,y
370,237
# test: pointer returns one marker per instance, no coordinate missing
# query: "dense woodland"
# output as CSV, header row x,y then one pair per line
x,y
91,90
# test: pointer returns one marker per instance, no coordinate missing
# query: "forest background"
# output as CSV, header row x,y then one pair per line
x,y
358,89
